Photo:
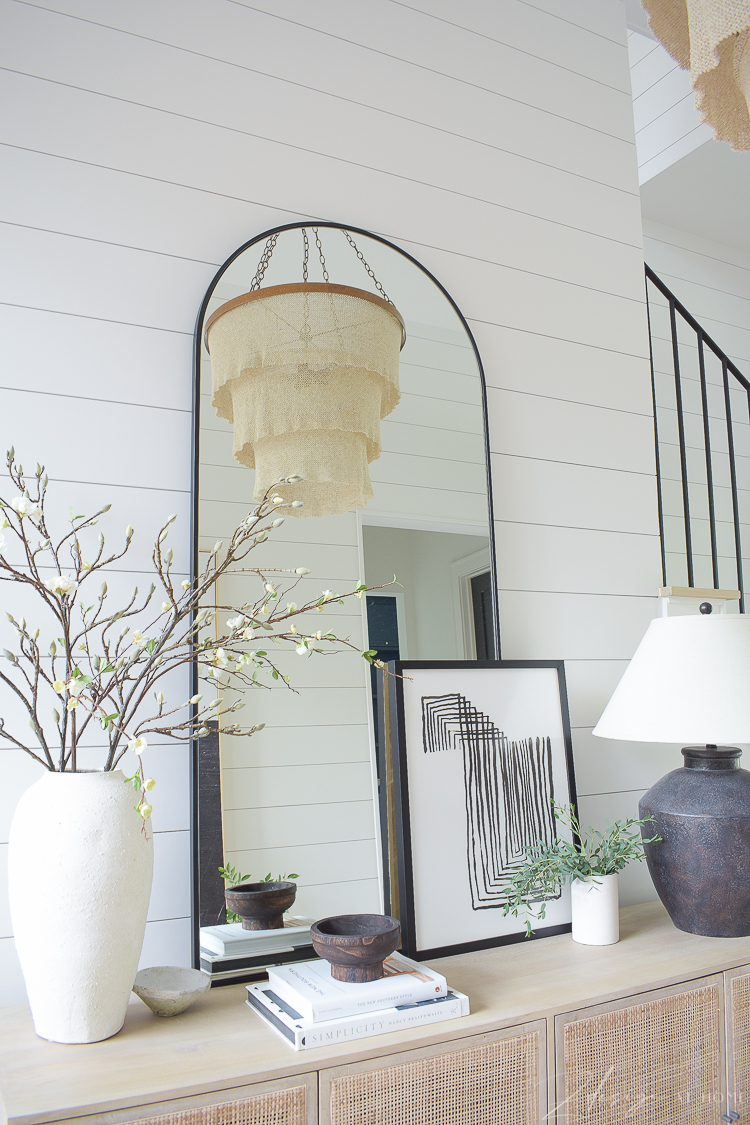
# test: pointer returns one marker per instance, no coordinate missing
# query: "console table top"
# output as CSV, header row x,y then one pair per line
x,y
219,1043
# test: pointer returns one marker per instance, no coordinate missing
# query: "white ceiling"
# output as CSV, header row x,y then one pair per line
x,y
707,192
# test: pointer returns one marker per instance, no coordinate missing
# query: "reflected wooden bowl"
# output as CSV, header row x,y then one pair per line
x,y
261,906
356,944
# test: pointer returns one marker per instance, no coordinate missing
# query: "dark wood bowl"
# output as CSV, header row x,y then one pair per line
x,y
356,944
261,905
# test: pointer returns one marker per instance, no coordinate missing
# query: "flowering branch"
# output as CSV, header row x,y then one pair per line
x,y
101,670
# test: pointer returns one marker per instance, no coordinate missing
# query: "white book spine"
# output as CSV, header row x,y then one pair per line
x,y
305,1035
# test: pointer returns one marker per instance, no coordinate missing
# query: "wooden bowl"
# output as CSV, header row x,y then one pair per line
x,y
356,944
261,905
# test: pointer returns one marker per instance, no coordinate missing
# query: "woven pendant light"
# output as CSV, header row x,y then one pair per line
x,y
711,39
304,372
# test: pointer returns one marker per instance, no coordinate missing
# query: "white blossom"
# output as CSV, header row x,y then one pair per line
x,y
327,595
291,607
137,745
248,634
235,622
293,628
22,506
302,570
302,650
61,584
185,583
165,606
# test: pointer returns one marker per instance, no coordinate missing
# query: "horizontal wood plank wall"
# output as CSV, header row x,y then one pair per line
x,y
667,124
713,282
145,141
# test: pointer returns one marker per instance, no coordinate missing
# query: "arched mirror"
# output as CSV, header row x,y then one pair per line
x,y
302,794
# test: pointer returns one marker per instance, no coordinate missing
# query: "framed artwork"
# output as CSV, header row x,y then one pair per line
x,y
480,750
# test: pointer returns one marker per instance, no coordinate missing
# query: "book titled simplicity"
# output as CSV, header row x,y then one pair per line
x,y
311,990
304,1034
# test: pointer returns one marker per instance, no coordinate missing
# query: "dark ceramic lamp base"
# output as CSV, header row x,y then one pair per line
x,y
701,866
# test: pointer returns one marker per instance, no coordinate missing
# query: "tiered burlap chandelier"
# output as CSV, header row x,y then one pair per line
x,y
305,372
711,39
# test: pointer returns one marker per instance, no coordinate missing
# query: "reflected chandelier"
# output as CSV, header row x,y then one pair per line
x,y
304,372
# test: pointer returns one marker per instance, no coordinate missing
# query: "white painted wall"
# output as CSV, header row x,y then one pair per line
x,y
145,140
667,124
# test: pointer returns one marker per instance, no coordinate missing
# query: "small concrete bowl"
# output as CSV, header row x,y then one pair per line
x,y
168,990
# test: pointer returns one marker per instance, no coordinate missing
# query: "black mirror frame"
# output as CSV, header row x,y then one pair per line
x,y
210,793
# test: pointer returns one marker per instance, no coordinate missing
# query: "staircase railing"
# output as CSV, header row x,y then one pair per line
x,y
702,429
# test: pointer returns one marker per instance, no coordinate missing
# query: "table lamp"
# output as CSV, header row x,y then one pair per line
x,y
689,682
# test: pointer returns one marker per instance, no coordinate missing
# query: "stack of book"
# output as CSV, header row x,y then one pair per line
x,y
305,1005
229,950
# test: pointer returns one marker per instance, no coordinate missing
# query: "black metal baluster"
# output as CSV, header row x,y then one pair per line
x,y
709,465
733,478
660,502
683,451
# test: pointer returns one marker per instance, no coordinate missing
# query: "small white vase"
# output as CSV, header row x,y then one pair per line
x,y
595,910
80,867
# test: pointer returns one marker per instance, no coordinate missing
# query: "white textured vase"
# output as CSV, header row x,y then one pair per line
x,y
80,868
595,908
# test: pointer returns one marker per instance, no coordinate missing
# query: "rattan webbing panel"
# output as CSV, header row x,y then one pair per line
x,y
740,1017
278,1107
650,1064
491,1084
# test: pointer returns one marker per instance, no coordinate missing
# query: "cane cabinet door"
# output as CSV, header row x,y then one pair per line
x,y
493,1079
286,1101
737,1001
653,1059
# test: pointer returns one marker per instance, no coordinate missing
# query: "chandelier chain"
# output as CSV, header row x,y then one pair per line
x,y
271,245
361,257
306,258
263,264
320,255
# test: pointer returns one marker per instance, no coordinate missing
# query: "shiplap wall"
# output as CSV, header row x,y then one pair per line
x,y
713,282
667,124
145,140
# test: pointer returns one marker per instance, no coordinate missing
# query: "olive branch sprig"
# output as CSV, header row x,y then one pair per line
x,y
548,866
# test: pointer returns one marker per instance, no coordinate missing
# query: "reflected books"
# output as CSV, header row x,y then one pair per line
x,y
232,940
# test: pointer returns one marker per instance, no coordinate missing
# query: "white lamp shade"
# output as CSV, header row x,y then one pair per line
x,y
688,682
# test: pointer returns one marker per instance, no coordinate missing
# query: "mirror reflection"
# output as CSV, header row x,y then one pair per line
x,y
301,795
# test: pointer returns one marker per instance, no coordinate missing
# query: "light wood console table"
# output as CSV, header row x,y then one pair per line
x,y
654,1030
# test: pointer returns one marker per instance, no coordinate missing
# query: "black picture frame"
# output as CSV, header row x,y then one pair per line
x,y
554,770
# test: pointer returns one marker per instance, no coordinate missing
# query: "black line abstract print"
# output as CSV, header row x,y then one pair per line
x,y
508,791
